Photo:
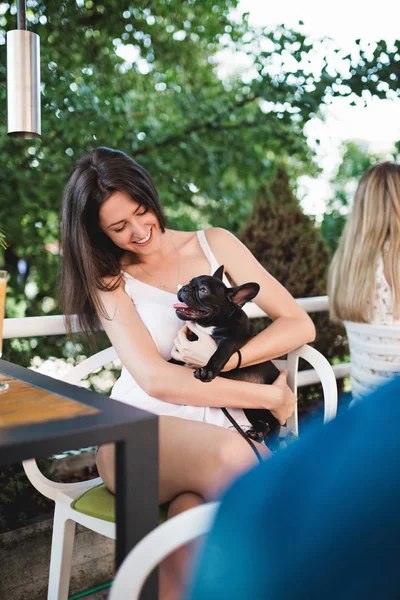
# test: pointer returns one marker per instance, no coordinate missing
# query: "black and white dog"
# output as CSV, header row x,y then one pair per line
x,y
208,302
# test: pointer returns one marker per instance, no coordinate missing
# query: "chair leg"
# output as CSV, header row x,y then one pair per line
x,y
61,554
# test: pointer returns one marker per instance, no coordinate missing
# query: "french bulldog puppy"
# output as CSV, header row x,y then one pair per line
x,y
208,302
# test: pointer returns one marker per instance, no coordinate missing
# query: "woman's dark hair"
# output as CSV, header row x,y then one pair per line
x,y
88,254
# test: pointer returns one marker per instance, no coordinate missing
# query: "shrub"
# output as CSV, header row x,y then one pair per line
x,y
20,502
287,244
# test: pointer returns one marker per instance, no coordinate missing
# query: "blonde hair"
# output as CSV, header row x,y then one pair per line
x,y
375,220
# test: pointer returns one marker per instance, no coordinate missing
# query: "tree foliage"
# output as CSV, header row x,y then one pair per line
x,y
356,159
145,79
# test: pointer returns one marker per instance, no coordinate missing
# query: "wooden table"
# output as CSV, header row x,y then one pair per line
x,y
41,416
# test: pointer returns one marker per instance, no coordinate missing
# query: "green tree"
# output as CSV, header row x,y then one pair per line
x,y
356,159
145,80
288,245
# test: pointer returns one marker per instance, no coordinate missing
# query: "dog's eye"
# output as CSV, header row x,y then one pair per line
x,y
203,289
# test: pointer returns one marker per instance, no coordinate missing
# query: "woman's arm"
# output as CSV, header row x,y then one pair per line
x,y
173,383
291,327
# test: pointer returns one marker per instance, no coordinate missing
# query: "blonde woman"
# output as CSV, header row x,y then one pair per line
x,y
364,278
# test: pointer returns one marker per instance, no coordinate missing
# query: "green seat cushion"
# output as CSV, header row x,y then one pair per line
x,y
100,503
97,502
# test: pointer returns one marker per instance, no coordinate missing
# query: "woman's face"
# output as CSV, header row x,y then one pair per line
x,y
129,225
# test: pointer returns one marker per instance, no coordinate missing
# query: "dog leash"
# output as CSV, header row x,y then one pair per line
x,y
243,434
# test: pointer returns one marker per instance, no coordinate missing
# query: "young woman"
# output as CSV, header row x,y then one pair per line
x,y
364,277
121,268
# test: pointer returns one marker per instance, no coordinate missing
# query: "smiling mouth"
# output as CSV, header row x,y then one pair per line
x,y
145,239
191,313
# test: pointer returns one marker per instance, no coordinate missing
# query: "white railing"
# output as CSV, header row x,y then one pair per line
x,y
54,325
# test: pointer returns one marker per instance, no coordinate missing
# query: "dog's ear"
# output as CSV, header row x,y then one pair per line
x,y
219,272
243,293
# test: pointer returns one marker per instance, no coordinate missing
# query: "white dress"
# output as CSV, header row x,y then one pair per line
x,y
155,308
373,349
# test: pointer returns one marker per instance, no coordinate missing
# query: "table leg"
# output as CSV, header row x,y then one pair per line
x,y
137,492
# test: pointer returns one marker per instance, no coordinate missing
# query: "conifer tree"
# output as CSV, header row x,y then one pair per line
x,y
288,245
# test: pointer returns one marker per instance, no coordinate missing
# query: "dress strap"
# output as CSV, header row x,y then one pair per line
x,y
201,236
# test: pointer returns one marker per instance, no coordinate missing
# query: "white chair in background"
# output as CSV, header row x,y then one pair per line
x,y
156,546
65,495
375,355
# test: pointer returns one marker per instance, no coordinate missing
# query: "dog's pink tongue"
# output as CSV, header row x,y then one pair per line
x,y
178,306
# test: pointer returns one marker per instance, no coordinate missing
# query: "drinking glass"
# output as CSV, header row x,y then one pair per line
x,y
3,287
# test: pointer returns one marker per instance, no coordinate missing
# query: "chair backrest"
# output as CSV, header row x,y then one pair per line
x,y
47,487
326,376
156,546
375,355
87,366
312,356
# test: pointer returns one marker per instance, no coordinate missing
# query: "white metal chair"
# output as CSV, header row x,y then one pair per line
x,y
375,355
156,546
64,494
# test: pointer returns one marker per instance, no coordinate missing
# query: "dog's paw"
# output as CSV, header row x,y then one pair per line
x,y
204,374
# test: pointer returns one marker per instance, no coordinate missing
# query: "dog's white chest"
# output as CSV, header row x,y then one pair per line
x,y
209,330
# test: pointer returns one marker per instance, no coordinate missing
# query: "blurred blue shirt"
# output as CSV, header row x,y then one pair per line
x,y
319,520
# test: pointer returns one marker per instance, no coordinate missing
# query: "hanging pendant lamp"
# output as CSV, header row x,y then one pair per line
x,y
23,79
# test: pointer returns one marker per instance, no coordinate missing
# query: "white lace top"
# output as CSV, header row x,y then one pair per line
x,y
155,308
375,347
383,301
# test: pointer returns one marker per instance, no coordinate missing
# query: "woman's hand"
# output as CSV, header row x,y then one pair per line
x,y
286,400
195,354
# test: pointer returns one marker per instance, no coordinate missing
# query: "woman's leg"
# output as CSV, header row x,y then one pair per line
x,y
193,457
200,458
196,461
175,570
